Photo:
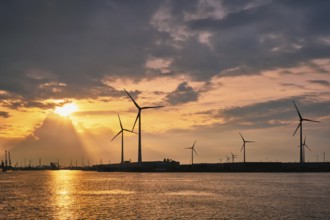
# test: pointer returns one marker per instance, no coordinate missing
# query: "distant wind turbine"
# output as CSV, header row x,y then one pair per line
x,y
220,159
301,119
233,156
228,158
243,147
192,148
139,117
305,145
122,138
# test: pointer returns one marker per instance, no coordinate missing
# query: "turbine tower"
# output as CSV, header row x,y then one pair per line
x,y
301,119
122,138
192,152
305,145
139,117
233,156
243,147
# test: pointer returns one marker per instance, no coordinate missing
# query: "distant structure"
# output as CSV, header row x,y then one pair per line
x,y
243,147
139,117
192,148
301,119
233,156
305,145
227,158
122,138
4,164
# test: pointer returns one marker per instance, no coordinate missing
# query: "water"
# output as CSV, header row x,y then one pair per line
x,y
92,195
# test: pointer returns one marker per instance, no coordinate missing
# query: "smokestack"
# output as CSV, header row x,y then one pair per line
x,y
9,159
6,161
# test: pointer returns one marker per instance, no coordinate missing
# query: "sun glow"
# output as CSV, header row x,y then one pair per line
x,y
66,110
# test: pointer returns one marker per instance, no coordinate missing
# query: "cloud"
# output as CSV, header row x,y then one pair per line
x,y
73,43
182,94
320,82
272,113
65,49
45,142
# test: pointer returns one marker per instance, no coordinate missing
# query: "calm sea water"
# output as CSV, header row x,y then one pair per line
x,y
92,195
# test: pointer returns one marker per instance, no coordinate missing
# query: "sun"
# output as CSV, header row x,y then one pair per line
x,y
66,110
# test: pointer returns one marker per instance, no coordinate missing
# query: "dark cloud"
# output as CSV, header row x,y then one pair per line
x,y
65,49
267,36
320,82
71,46
272,113
4,114
182,94
19,104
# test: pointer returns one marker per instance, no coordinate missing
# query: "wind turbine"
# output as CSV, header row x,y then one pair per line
x,y
192,152
243,147
305,145
233,156
228,158
122,138
220,159
139,117
301,119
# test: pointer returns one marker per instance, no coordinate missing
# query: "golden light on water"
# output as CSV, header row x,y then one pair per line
x,y
66,110
62,193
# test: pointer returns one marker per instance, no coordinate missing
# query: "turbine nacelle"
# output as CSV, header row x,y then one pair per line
x,y
301,119
121,129
244,141
192,148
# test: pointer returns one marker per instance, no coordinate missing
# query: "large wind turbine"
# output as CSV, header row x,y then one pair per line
x,y
139,117
243,147
301,119
122,138
192,152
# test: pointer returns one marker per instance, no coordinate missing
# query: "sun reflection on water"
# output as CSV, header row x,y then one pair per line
x,y
62,188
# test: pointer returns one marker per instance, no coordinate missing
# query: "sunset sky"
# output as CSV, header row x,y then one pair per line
x,y
218,67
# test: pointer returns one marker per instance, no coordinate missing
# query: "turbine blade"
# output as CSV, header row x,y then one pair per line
x,y
297,109
121,125
242,147
116,135
305,119
147,107
307,147
241,136
132,99
137,116
194,144
249,141
304,140
195,151
296,129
